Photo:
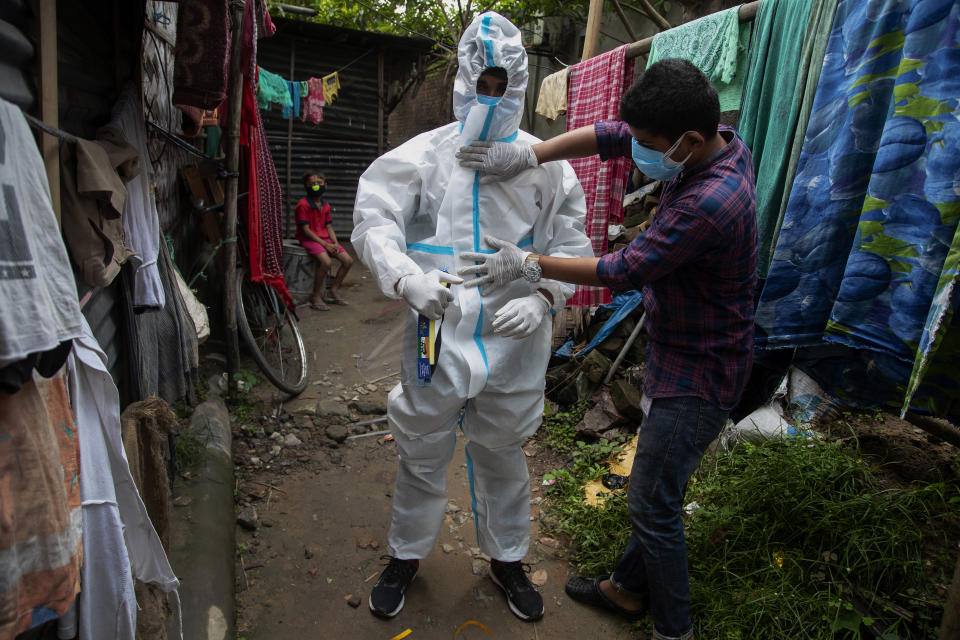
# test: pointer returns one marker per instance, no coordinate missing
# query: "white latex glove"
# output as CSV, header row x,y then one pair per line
x,y
497,160
520,317
425,293
495,269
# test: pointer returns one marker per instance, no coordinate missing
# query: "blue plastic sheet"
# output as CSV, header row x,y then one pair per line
x,y
622,305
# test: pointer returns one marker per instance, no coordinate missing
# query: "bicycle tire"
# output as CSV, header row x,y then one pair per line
x,y
271,335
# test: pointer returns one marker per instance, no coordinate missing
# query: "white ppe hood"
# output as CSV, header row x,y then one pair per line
x,y
490,41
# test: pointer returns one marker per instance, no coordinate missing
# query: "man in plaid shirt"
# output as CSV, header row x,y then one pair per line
x,y
697,267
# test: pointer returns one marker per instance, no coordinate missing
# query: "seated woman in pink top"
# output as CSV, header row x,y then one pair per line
x,y
315,233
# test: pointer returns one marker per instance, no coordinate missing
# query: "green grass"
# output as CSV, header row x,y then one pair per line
x,y
560,428
190,451
792,539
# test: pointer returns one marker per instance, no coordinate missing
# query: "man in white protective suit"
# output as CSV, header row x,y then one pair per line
x,y
419,216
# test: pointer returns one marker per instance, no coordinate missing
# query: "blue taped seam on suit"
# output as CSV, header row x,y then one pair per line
x,y
435,249
487,43
473,493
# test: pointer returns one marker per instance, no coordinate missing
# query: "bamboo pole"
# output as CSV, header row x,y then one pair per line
x,y
49,97
746,13
287,199
592,35
229,260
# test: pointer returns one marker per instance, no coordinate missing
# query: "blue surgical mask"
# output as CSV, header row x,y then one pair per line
x,y
488,100
655,164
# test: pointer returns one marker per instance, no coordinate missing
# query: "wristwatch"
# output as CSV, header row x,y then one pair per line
x,y
531,269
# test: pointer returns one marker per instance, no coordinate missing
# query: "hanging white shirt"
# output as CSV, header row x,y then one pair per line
x,y
38,293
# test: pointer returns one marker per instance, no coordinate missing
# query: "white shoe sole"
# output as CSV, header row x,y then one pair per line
x,y
403,599
513,607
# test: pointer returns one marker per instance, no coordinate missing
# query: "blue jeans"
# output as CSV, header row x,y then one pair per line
x,y
670,443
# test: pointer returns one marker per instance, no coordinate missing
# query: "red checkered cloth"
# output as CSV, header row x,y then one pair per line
x,y
594,92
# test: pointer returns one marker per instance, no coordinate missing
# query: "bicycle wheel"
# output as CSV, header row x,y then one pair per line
x,y
271,334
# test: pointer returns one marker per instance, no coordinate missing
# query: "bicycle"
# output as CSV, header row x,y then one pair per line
x,y
265,324
271,334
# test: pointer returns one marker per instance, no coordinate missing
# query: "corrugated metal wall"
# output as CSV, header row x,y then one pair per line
x,y
344,144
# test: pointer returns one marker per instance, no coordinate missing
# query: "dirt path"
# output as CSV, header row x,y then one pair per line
x,y
323,507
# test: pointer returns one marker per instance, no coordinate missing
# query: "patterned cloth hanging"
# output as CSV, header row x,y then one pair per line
x,y
313,103
596,86
331,86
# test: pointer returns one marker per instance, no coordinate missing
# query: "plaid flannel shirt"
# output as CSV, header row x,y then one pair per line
x,y
697,266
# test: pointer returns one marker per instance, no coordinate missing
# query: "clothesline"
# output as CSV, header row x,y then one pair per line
x,y
309,96
40,124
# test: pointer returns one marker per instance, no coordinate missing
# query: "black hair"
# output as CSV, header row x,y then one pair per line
x,y
670,97
310,174
497,72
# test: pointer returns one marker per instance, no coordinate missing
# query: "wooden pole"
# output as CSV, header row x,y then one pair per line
x,y
287,200
49,101
746,13
380,99
592,35
229,259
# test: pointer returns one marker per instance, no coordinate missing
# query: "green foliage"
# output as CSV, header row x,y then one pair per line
x,y
561,428
190,450
439,21
791,539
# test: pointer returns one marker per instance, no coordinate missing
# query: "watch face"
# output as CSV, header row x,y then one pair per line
x,y
531,270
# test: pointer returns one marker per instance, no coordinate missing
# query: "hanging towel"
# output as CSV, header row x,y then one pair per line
x,y
294,89
868,253
331,86
272,89
814,49
717,44
552,101
772,95
596,86
313,104
202,54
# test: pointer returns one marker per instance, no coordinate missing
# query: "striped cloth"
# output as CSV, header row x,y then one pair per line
x,y
595,88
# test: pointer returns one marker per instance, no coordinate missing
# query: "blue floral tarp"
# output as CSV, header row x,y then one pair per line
x,y
868,253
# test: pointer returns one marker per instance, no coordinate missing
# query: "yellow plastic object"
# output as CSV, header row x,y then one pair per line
x,y
471,622
619,463
402,634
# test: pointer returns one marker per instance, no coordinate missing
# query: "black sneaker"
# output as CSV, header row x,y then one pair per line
x,y
386,599
524,599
